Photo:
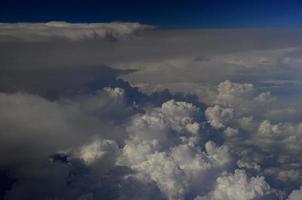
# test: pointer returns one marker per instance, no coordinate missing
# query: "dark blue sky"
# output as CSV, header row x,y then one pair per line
x,y
167,14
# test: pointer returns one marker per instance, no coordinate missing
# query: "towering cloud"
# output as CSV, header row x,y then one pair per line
x,y
51,30
164,147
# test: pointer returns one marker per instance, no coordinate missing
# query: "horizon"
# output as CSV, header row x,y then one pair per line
x,y
182,14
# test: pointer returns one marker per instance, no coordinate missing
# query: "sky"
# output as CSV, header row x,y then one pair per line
x,y
143,101
166,14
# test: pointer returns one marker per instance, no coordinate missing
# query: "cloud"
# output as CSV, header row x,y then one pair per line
x,y
71,31
166,114
40,127
48,141
263,147
98,149
229,131
295,195
53,83
227,90
238,186
218,116
164,148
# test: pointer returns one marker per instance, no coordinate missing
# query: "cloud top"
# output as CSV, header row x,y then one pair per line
x,y
72,31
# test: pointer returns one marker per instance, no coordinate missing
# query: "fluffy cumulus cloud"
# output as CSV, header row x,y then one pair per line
x,y
218,116
295,195
228,91
238,186
83,117
165,147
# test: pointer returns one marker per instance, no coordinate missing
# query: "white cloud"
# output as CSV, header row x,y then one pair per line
x,y
228,90
244,99
295,195
238,186
289,132
218,116
289,175
160,123
231,132
164,147
97,150
72,31
265,97
247,164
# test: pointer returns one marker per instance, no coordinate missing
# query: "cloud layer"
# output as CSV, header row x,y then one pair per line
x,y
174,114
64,30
